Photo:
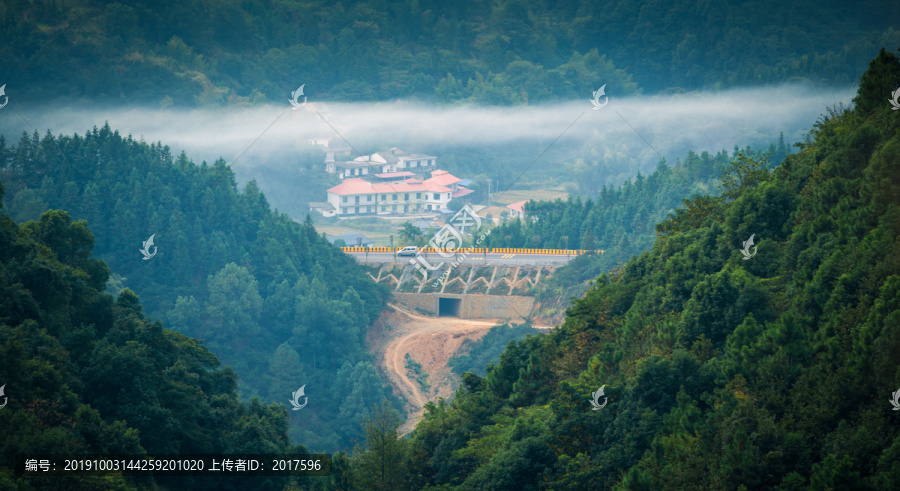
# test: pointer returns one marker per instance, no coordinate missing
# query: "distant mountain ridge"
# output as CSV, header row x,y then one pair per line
x,y
197,53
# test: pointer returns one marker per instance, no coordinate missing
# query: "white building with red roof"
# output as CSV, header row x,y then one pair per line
x,y
517,209
355,196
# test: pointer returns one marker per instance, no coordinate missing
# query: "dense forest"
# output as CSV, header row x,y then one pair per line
x,y
774,372
196,52
269,296
620,222
150,304
87,372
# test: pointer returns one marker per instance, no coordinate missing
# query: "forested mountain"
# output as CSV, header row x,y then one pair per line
x,y
195,52
620,222
719,372
269,296
86,372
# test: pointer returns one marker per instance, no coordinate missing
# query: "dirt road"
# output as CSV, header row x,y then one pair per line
x,y
430,341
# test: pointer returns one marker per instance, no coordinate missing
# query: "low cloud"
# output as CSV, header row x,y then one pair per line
x,y
639,126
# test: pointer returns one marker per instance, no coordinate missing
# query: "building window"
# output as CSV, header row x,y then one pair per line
x,y
394,208
383,197
395,199
418,195
357,210
343,211
437,196
406,197
428,208
345,199
384,208
369,198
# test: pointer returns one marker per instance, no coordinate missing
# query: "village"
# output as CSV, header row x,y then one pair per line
x,y
390,189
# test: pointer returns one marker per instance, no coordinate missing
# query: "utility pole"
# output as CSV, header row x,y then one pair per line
x,y
489,192
392,249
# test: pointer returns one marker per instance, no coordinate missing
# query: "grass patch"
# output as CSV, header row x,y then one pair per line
x,y
516,195
414,371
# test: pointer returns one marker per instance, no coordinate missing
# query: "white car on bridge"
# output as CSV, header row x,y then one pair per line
x,y
408,251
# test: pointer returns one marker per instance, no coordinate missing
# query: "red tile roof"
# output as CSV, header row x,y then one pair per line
x,y
356,185
443,178
517,206
461,192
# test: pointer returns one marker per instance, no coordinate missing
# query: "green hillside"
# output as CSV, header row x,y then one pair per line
x,y
719,372
268,296
195,52
85,372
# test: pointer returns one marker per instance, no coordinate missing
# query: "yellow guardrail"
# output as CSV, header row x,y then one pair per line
x,y
479,250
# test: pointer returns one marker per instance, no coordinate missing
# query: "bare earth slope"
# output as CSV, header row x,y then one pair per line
x,y
430,341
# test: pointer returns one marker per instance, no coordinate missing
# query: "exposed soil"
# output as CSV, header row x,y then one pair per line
x,y
430,341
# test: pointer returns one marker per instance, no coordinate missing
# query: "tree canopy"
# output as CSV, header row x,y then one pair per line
x,y
495,53
269,296
719,372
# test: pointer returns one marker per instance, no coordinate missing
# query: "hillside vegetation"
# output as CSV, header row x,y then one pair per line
x,y
720,372
195,52
268,296
86,372
620,221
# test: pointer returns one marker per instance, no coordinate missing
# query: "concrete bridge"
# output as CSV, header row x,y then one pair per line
x,y
466,291
503,256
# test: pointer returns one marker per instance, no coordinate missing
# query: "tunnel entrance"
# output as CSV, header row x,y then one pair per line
x,y
449,307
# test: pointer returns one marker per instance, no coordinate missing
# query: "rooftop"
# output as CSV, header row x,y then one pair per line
x,y
443,178
324,205
461,192
518,205
356,185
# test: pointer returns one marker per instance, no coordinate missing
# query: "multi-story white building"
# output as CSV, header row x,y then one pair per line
x,y
390,161
355,196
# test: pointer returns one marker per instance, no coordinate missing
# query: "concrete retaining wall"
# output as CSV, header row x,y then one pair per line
x,y
473,306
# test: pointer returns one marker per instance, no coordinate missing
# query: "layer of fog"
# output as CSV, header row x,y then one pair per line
x,y
643,128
